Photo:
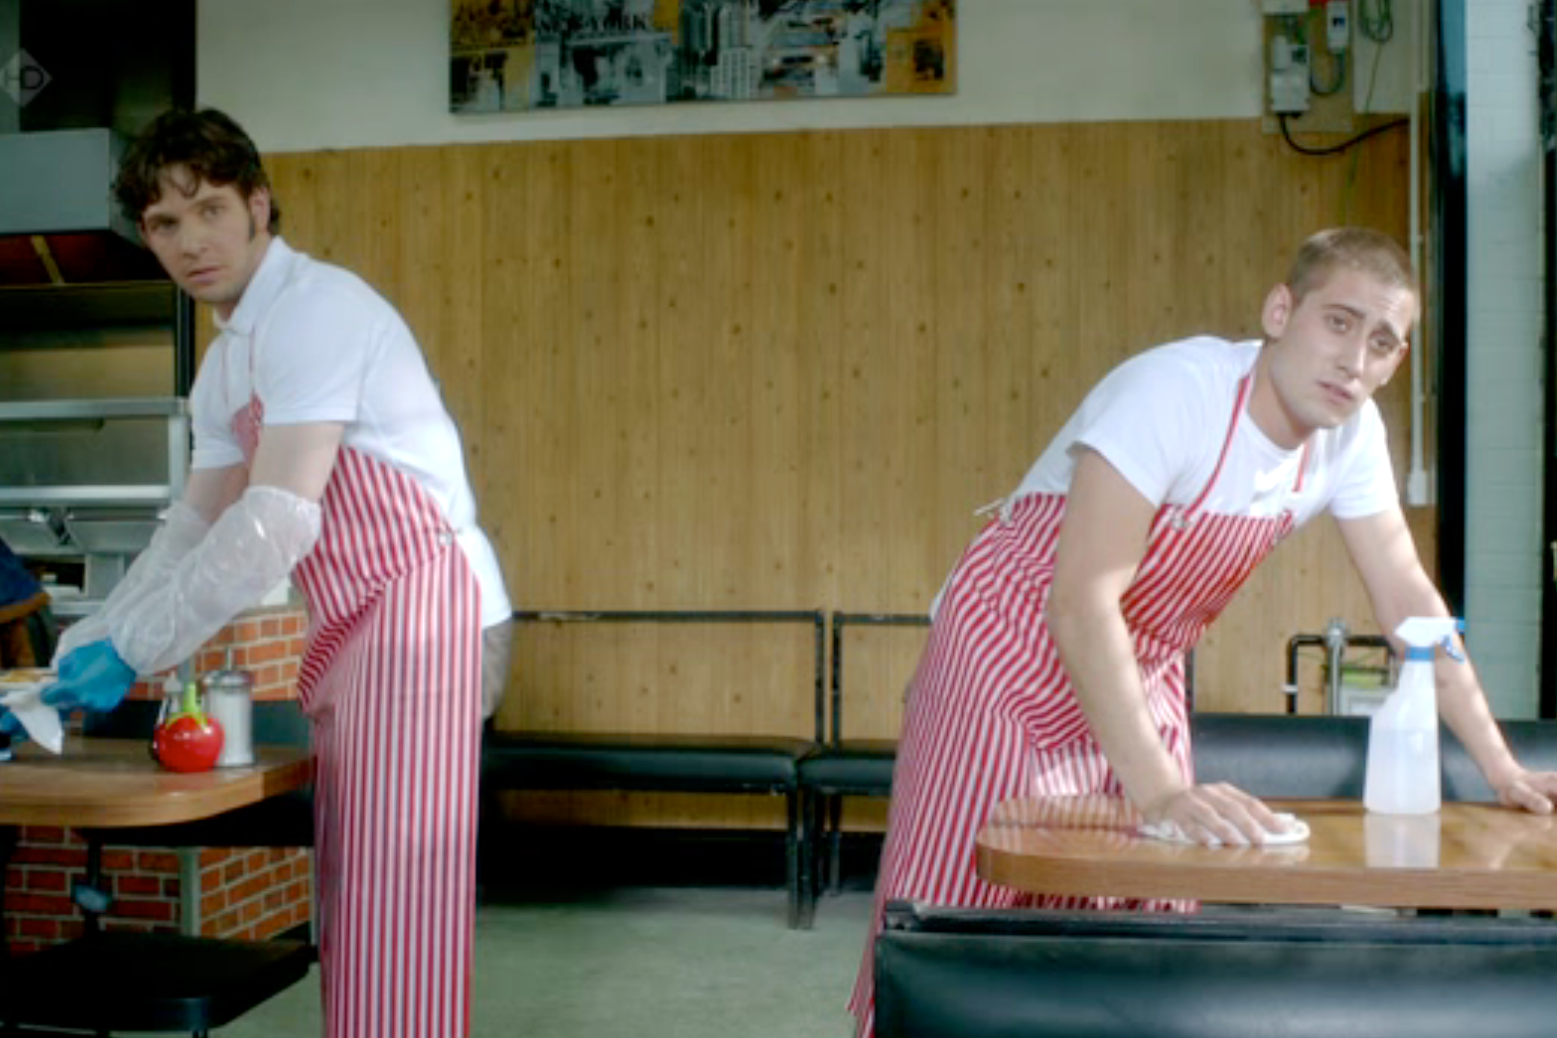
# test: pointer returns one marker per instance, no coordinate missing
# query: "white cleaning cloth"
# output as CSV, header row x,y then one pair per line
x,y
1296,831
40,719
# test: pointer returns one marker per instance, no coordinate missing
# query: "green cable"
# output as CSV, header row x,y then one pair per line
x,y
1367,107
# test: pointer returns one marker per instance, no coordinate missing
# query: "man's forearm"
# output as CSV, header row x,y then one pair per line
x,y
1464,708
1381,548
1095,646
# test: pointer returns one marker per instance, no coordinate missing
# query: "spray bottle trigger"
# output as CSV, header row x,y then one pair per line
x,y
1454,653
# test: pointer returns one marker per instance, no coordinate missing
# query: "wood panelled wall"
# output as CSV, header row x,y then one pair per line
x,y
782,371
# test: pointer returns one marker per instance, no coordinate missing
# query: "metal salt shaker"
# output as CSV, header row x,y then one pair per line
x,y
229,697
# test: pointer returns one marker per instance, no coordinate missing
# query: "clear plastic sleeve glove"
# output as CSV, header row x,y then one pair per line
x,y
181,530
248,551
93,677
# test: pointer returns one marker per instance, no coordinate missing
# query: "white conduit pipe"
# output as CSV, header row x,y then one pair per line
x,y
1418,487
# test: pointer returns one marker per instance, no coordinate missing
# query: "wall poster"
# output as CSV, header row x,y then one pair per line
x,y
518,55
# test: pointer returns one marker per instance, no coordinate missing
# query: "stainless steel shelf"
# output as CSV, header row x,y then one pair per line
x,y
73,607
131,451
141,494
75,410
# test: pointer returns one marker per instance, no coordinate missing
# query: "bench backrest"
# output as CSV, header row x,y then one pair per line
x,y
1321,757
724,672
879,678
948,973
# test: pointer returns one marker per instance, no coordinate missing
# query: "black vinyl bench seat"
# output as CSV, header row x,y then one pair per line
x,y
947,973
852,767
668,762
656,763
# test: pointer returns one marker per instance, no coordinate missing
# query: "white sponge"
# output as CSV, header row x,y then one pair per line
x,y
1293,830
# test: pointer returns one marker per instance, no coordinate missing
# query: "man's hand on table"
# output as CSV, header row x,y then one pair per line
x,y
1531,791
1216,813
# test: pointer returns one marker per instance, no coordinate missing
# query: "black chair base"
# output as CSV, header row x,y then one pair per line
x,y
121,981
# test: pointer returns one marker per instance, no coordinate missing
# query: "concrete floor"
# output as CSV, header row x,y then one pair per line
x,y
683,962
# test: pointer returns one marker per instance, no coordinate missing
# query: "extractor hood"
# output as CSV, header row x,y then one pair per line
x,y
61,229
59,223
77,79
60,181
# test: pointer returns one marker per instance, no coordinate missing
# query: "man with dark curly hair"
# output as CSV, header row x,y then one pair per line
x,y
323,452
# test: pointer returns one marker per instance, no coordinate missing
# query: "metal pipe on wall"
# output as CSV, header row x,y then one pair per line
x,y
1418,485
1335,641
1294,644
1546,50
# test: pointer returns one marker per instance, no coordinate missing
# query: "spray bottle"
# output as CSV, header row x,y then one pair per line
x,y
1403,776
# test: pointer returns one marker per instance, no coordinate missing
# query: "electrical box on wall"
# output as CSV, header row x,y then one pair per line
x,y
1288,76
1338,27
1307,51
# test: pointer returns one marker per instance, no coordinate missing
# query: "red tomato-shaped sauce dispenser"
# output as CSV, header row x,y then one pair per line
x,y
186,738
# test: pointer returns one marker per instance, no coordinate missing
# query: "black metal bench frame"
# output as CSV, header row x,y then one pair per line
x,y
842,767
528,761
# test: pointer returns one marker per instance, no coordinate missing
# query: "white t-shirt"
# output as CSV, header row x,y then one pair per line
x,y
1161,417
323,346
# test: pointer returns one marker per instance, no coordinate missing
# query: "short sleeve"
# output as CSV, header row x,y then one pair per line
x,y
215,444
1367,484
312,355
1144,418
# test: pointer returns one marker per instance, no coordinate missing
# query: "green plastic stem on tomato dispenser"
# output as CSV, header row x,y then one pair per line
x,y
192,703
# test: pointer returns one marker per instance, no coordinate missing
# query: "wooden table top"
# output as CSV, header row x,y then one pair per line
x,y
1466,856
109,783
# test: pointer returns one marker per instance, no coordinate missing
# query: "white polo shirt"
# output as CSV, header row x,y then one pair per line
x,y
317,344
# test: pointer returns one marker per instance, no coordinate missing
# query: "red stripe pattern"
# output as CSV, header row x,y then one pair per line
x,y
392,682
992,714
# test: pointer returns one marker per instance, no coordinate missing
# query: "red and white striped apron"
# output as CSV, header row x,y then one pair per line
x,y
992,715
392,682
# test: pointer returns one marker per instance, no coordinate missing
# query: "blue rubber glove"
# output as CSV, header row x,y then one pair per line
x,y
92,677
12,727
